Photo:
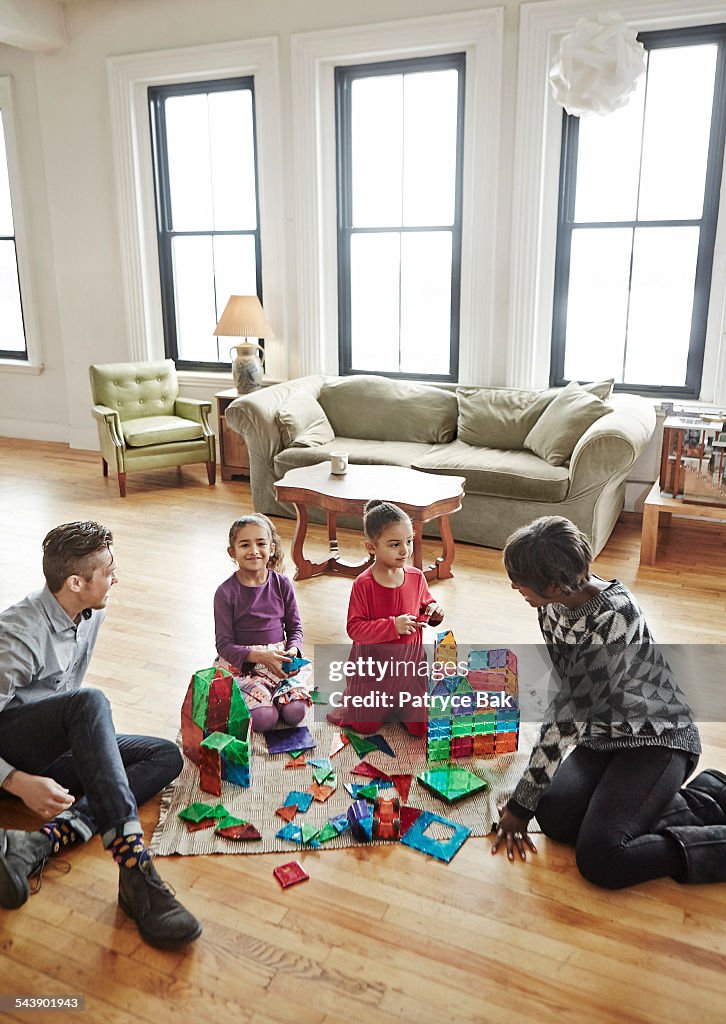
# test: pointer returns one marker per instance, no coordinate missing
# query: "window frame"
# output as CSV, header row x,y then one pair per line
x,y
708,222
344,76
32,360
157,94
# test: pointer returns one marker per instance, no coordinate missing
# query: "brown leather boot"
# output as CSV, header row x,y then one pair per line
x,y
22,855
152,904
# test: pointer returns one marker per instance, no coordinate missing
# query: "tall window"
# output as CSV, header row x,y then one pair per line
x,y
203,137
639,198
12,332
400,145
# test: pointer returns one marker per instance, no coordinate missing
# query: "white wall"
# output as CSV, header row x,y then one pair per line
x,y
65,148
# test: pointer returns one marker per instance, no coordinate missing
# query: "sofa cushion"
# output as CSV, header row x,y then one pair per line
x,y
365,453
602,388
302,422
499,417
505,474
148,430
377,409
562,424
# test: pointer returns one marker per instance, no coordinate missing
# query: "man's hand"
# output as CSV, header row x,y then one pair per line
x,y
512,831
42,795
405,624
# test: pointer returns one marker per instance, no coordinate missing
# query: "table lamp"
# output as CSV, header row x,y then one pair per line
x,y
243,317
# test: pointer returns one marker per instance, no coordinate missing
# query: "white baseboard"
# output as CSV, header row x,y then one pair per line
x,y
33,430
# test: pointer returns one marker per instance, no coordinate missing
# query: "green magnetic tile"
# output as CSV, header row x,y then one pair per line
x,y
452,783
309,832
360,744
327,832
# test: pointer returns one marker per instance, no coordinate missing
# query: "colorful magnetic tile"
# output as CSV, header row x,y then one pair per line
x,y
317,697
287,812
197,826
408,816
197,811
402,784
294,665
339,822
369,771
281,741
303,800
324,775
327,832
235,773
339,741
369,792
321,793
361,744
297,762
290,874
309,832
452,783
320,762
243,832
382,745
441,849
291,832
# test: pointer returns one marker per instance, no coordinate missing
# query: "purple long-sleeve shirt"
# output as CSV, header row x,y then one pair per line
x,y
247,616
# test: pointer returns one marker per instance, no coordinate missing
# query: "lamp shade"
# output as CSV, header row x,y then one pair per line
x,y
243,317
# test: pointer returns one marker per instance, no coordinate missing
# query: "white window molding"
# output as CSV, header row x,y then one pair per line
x,y
34,362
314,57
129,78
538,125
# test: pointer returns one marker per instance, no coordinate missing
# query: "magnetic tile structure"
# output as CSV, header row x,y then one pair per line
x,y
477,714
216,729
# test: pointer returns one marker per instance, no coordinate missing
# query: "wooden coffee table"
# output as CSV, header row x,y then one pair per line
x,y
424,496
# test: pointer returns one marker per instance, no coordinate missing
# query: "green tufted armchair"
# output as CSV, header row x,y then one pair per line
x,y
144,424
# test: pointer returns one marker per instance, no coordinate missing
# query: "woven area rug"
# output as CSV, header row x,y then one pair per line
x,y
271,782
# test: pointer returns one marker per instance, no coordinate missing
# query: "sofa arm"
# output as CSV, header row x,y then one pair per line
x,y
254,416
112,422
608,449
195,409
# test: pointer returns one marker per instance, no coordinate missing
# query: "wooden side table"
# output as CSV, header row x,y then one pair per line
x,y
234,459
657,511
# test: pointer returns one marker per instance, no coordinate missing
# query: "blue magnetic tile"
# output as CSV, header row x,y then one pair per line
x,y
443,850
303,800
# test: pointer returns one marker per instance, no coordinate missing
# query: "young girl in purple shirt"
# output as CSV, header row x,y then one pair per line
x,y
258,628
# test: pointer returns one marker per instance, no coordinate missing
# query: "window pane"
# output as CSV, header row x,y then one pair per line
x,y
12,335
661,305
194,292
234,270
426,302
231,138
6,211
429,147
676,133
597,303
374,301
608,162
377,150
190,171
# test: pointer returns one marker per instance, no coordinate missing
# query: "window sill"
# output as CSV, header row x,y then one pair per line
x,y
15,366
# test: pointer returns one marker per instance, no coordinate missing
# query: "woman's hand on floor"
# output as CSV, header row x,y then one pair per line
x,y
512,831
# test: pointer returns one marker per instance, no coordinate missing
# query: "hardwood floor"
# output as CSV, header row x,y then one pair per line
x,y
381,933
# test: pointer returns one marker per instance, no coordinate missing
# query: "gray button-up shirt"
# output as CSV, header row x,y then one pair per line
x,y
42,652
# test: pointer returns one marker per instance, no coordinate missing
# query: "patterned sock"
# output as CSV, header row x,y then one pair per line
x,y
129,851
61,834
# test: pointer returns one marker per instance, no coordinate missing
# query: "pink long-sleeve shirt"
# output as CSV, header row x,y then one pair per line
x,y
373,608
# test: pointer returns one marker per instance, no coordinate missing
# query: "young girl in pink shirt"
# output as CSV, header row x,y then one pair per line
x,y
384,622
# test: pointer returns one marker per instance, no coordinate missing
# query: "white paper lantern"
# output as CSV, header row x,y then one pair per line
x,y
598,66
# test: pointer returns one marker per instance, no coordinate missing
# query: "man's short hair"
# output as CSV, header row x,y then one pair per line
x,y
549,552
73,549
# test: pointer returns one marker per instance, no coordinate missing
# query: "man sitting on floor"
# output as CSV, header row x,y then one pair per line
x,y
59,751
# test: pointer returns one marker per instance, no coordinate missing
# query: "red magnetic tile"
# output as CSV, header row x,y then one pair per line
x,y
290,874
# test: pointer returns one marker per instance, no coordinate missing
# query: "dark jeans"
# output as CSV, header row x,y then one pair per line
x,y
71,739
604,803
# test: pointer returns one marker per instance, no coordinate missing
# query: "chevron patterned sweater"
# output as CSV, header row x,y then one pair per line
x,y
614,689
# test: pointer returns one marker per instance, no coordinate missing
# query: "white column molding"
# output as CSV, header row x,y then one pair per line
x,y
536,178
129,79
314,58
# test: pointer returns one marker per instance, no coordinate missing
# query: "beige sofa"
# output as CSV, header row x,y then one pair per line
x,y
478,433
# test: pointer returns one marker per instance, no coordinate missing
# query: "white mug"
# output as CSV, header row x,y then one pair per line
x,y
338,463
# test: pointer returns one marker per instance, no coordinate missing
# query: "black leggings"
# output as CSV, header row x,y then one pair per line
x,y
604,803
